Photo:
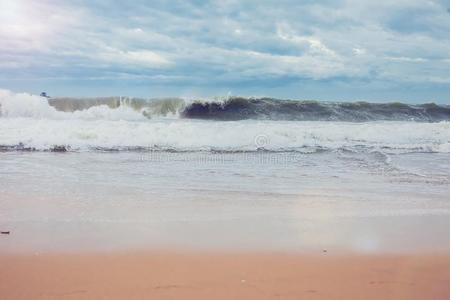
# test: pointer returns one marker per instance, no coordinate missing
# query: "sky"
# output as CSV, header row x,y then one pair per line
x,y
340,50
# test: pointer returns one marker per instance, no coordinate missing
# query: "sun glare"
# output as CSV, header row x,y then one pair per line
x,y
19,20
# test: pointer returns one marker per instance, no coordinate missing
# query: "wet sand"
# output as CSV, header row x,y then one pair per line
x,y
195,275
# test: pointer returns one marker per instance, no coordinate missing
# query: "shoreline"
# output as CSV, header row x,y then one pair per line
x,y
224,275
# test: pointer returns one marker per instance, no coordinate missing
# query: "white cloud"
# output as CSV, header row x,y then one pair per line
x,y
315,46
144,58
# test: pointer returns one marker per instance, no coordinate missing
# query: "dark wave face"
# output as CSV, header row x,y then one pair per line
x,y
273,109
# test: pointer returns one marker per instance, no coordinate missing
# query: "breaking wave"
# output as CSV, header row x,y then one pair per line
x,y
237,108
34,123
226,109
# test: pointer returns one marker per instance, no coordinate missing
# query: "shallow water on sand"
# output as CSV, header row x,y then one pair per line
x,y
287,201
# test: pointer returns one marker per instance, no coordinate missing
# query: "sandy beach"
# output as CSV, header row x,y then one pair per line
x,y
171,275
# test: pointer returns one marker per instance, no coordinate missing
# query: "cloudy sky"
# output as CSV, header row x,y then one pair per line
x,y
380,50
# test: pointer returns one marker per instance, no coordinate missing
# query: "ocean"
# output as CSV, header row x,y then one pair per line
x,y
241,173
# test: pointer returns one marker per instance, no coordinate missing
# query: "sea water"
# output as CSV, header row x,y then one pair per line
x,y
110,178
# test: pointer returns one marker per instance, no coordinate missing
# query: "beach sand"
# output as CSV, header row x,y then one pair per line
x,y
196,275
